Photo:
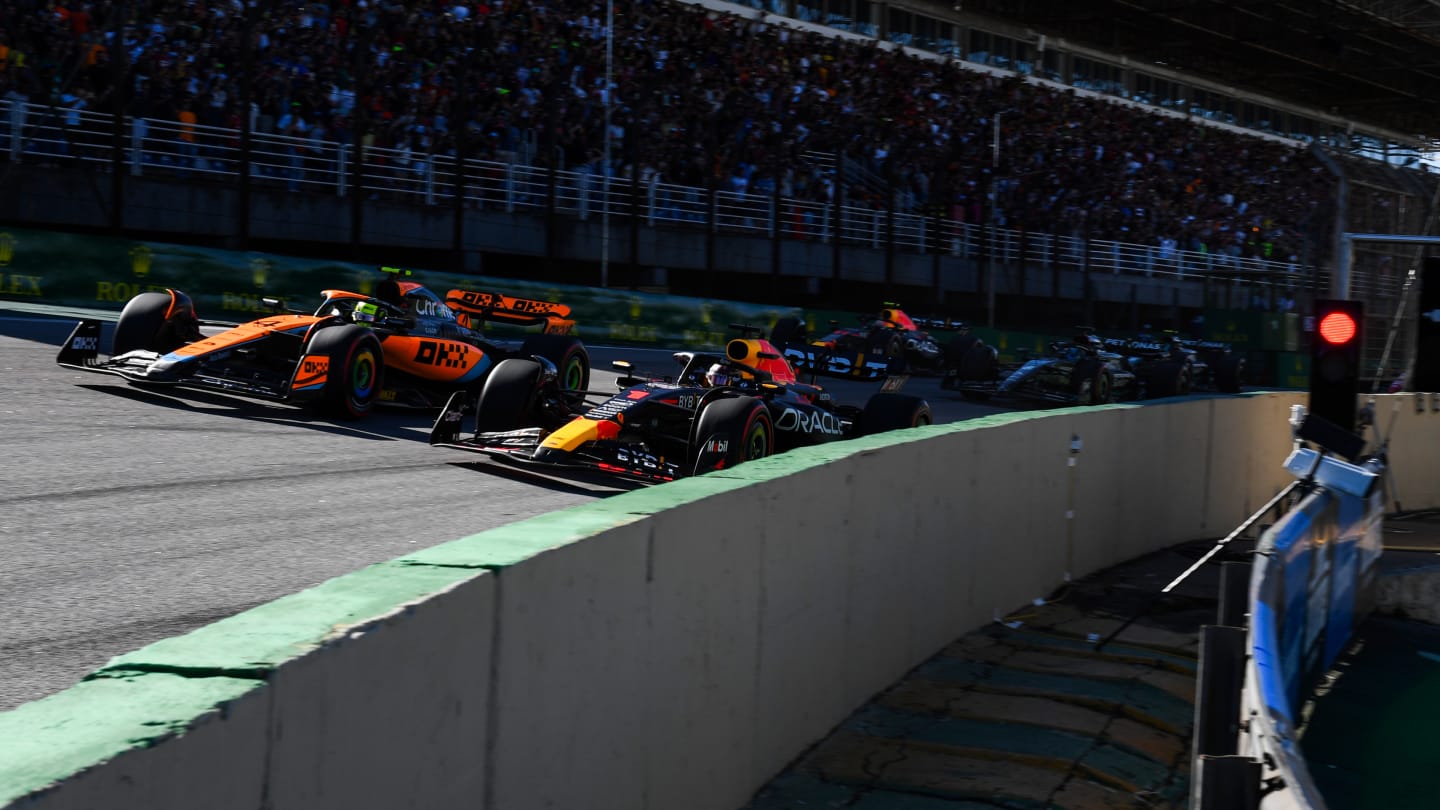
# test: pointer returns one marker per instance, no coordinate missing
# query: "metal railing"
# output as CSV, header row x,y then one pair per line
x,y
50,135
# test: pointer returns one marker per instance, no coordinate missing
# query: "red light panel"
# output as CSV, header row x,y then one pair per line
x,y
1337,328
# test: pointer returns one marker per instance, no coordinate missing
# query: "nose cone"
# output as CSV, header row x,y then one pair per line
x,y
549,454
572,435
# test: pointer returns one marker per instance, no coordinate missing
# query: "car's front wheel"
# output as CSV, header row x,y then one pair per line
x,y
731,431
356,370
155,321
507,399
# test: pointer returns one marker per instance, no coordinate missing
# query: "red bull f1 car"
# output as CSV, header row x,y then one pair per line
x,y
717,412
886,343
402,346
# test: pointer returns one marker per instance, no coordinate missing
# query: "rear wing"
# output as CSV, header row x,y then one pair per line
x,y
509,309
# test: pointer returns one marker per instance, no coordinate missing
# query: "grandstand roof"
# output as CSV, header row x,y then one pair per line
x,y
1372,61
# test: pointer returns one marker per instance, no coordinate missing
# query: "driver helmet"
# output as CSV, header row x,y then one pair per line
x,y
365,313
718,375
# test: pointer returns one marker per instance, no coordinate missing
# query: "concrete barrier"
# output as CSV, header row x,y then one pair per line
x,y
669,647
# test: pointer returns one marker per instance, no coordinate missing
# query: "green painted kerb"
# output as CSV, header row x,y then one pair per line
x,y
252,643
45,742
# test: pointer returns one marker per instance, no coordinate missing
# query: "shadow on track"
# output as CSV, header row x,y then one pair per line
x,y
573,481
391,425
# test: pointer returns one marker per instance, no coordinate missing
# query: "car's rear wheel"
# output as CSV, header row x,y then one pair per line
x,y
1229,373
885,344
567,353
157,322
1170,379
886,412
787,330
957,348
980,363
507,399
356,373
742,423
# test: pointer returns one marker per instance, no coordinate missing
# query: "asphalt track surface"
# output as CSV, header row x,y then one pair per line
x,y
129,515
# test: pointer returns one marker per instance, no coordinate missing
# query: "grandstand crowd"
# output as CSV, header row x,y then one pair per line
x,y
699,98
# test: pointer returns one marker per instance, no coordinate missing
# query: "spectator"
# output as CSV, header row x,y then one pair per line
x,y
699,96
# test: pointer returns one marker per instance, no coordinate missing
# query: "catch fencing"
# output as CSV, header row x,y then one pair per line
x,y
45,135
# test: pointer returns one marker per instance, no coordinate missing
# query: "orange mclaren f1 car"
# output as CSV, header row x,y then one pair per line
x,y
718,411
402,346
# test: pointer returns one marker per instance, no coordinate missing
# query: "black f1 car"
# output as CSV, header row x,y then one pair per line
x,y
1077,372
1089,370
719,411
883,344
1169,365
402,346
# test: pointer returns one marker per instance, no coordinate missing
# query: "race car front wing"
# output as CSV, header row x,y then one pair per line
x,y
520,447
81,351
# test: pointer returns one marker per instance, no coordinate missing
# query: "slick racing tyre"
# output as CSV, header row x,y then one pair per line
x,y
743,423
1229,373
981,363
1093,385
508,398
885,412
156,322
957,348
885,344
567,353
787,330
357,370
1170,380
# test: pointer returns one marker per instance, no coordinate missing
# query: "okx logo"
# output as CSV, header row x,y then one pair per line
x,y
444,355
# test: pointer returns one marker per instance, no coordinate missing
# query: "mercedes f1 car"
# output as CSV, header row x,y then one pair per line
x,y
884,344
719,411
402,346
1077,372
1089,370
1169,365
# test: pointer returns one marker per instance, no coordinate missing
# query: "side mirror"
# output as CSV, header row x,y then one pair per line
x,y
622,365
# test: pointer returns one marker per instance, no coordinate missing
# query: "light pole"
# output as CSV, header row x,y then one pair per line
x,y
992,248
605,182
